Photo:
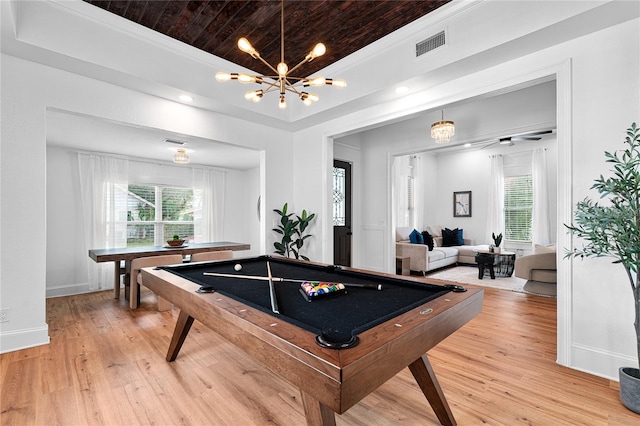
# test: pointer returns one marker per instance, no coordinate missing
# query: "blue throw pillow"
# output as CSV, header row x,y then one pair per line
x,y
452,237
416,237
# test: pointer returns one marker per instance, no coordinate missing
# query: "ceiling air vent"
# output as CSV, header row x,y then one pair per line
x,y
431,43
175,142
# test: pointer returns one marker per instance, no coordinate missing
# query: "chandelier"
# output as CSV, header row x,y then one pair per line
x,y
181,156
442,131
282,81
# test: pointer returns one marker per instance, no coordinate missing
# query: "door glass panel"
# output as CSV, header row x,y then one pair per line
x,y
339,205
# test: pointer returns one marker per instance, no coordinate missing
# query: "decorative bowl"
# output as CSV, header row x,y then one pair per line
x,y
175,243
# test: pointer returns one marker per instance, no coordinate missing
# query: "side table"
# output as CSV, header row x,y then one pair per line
x,y
499,264
402,265
485,261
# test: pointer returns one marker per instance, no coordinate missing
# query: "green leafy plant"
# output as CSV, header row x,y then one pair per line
x,y
496,239
176,237
614,229
292,229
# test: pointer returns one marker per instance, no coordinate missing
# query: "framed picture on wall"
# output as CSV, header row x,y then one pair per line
x,y
462,204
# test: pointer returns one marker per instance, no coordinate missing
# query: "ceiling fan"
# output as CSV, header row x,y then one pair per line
x,y
510,140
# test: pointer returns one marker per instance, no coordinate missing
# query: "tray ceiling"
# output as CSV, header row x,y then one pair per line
x,y
215,26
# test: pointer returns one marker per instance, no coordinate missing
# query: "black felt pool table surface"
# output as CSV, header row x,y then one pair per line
x,y
341,316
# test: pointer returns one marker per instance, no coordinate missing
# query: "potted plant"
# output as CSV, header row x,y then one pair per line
x,y
497,239
293,232
614,230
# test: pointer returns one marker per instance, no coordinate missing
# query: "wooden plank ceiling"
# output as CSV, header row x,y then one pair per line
x,y
215,26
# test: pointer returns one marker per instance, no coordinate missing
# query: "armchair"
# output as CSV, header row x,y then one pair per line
x,y
539,266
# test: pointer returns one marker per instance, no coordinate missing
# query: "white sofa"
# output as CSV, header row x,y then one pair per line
x,y
423,260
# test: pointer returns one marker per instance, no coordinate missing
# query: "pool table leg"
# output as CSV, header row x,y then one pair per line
x,y
426,378
316,412
183,325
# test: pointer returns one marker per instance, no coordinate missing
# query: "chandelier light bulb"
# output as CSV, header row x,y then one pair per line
x,y
283,102
223,76
340,84
246,78
318,50
308,98
317,81
283,69
246,47
254,95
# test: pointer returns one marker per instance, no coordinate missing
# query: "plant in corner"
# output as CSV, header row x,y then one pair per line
x,y
293,232
614,230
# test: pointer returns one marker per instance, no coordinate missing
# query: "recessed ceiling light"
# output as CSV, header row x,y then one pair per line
x,y
402,89
467,145
186,98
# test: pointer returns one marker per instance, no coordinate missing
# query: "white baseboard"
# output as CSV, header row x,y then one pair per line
x,y
598,362
71,289
22,339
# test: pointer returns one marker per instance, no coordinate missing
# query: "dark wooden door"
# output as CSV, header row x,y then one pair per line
x,y
341,213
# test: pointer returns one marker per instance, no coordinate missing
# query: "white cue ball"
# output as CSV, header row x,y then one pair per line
x,y
238,267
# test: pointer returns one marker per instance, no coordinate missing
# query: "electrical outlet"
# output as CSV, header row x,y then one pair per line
x,y
4,315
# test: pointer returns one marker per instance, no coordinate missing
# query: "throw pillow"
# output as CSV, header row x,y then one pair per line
x,y
402,233
428,240
416,237
452,237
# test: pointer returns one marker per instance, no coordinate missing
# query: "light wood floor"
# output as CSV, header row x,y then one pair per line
x,y
105,366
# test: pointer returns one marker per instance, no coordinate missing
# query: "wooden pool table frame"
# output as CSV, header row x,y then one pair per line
x,y
329,380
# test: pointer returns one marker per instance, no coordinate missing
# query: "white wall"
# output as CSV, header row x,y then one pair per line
x,y
606,100
241,221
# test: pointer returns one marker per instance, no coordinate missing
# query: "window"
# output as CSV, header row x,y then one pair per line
x,y
518,207
156,213
339,196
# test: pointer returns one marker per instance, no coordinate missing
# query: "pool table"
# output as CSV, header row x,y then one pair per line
x,y
336,348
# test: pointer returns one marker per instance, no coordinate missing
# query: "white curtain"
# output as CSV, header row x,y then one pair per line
x,y
400,185
419,195
208,197
540,215
103,191
495,201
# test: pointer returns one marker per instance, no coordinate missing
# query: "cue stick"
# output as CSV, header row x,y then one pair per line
x,y
255,277
272,291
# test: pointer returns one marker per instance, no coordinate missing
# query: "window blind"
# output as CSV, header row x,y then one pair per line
x,y
518,207
155,214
